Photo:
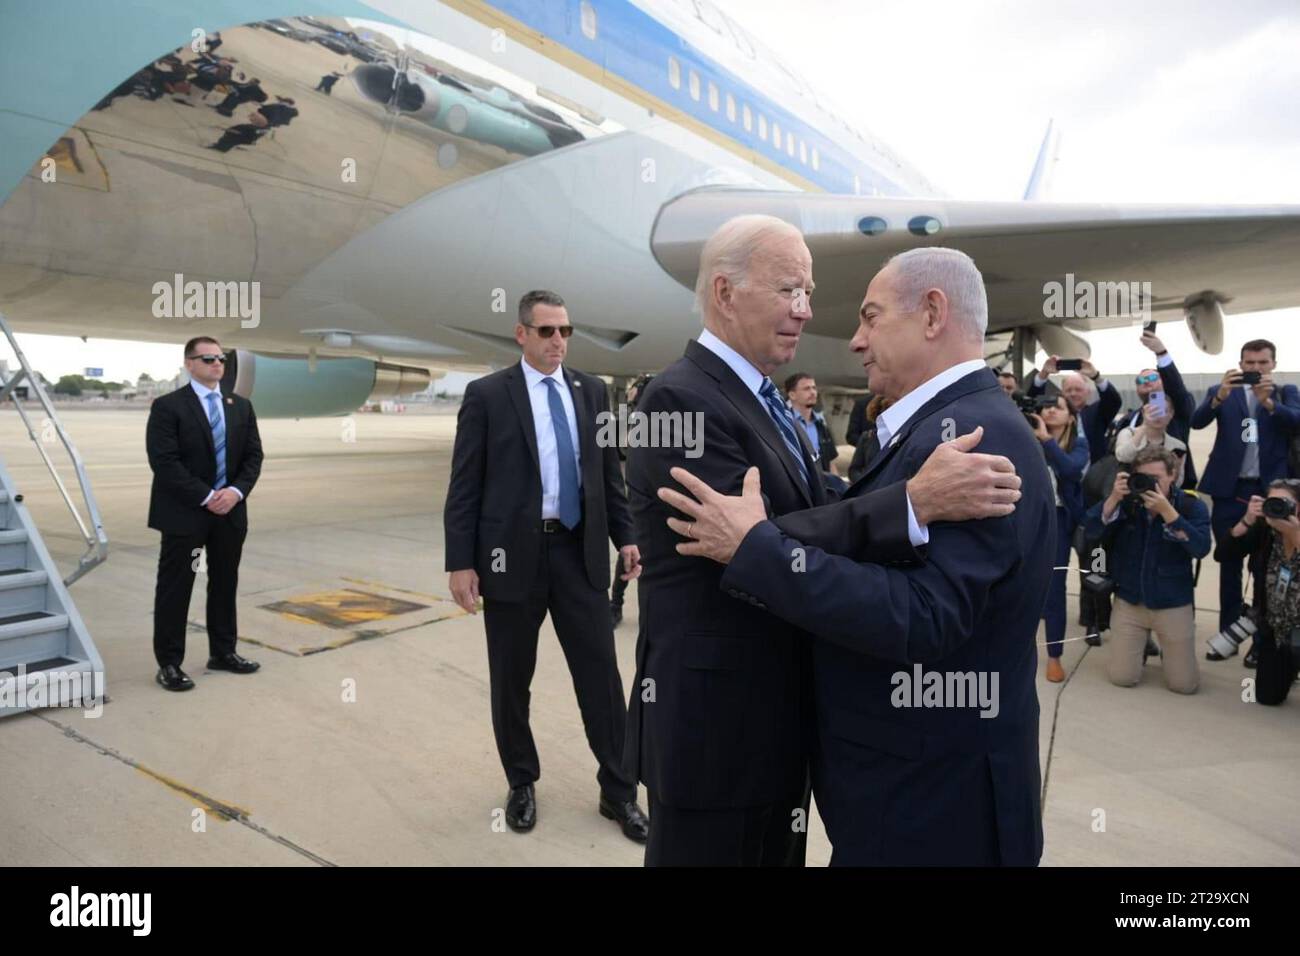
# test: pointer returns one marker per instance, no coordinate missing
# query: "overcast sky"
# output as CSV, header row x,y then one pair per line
x,y
1156,102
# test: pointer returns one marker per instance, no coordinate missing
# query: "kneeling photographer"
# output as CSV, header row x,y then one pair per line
x,y
1269,535
1154,531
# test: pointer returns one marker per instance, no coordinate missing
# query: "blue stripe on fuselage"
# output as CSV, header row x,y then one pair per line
x,y
634,46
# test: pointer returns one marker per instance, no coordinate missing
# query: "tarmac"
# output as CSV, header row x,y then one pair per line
x,y
366,738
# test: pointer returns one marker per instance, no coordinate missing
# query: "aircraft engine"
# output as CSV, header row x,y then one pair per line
x,y
1205,321
294,386
1057,340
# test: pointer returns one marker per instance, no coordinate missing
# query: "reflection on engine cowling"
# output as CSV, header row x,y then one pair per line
x,y
295,386
486,115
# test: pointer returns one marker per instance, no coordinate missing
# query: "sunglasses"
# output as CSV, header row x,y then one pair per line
x,y
209,359
1148,379
546,331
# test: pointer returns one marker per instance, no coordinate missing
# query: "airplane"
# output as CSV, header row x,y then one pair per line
x,y
465,151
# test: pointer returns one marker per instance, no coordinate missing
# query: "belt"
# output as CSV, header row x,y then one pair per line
x,y
555,526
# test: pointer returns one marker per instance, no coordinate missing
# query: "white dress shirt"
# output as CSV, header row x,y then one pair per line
x,y
547,451
753,380
890,422
202,391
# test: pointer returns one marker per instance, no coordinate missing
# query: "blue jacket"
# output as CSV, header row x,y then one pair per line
x,y
897,782
1273,432
1149,566
1069,467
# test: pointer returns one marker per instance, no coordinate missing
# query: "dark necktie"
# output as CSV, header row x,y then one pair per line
x,y
570,502
218,437
780,416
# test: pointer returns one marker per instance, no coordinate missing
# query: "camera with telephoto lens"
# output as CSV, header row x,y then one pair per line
x,y
1034,406
1224,644
1281,508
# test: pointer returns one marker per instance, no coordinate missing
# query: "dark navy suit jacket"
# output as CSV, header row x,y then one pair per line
x,y
1273,431
922,785
727,725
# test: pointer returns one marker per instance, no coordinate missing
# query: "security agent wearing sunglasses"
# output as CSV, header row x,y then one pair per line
x,y
532,505
206,456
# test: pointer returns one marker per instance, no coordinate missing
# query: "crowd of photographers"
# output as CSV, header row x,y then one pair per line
x,y
1141,518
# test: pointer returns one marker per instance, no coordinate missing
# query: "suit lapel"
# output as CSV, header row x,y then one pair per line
x,y
518,390
750,406
233,423
586,433
974,382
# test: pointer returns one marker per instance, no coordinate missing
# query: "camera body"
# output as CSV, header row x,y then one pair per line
x,y
1280,508
1250,378
1138,483
1034,406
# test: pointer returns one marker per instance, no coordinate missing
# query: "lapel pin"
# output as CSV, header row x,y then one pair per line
x,y
230,401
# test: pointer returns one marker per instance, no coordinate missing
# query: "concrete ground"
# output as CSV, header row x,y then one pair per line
x,y
371,742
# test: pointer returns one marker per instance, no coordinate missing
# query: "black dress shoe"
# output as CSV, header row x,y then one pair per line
x,y
1251,659
1093,639
521,808
633,821
172,677
232,662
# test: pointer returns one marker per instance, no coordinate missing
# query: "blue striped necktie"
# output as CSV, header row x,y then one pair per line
x,y
780,415
570,499
218,437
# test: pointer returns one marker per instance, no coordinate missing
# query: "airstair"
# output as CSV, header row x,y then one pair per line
x,y
47,657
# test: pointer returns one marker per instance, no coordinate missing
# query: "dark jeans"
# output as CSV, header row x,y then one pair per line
x,y
1054,610
1227,512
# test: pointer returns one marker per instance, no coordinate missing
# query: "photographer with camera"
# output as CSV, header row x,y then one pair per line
x,y
1093,400
1153,530
1255,421
1269,535
1056,426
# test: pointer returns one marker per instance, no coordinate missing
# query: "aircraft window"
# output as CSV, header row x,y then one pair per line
x,y
731,107
695,85
817,163
588,20
857,185
674,73
748,117
776,134
789,144
803,152
713,96
762,127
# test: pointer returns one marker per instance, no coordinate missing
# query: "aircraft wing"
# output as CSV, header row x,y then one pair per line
x,y
1245,257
